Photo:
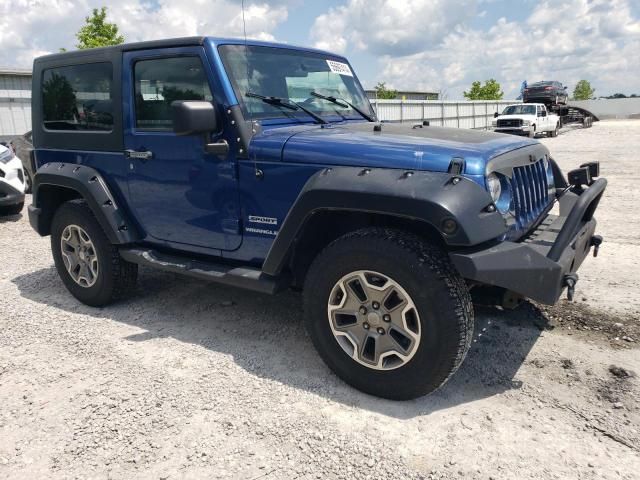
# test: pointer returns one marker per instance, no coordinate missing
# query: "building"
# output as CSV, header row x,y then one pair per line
x,y
407,95
15,102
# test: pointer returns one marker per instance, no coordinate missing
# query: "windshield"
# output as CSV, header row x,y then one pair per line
x,y
291,75
519,110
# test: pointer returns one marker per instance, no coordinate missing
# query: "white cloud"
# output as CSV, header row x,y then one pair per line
x,y
390,27
29,28
598,40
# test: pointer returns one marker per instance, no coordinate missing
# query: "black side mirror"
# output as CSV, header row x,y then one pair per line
x,y
192,117
544,114
495,114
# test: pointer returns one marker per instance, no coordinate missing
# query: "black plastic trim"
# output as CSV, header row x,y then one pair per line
x,y
90,185
11,195
242,277
429,197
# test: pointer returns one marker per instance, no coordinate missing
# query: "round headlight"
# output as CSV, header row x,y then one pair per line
x,y
494,187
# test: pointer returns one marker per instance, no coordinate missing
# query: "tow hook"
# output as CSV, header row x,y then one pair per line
x,y
596,241
570,281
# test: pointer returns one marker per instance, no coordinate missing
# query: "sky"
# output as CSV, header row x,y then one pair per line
x,y
429,45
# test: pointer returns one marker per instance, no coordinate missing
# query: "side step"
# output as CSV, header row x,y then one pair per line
x,y
241,277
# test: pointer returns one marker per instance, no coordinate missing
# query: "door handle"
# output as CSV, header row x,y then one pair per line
x,y
145,155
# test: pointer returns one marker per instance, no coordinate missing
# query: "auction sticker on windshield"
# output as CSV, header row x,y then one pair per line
x,y
339,67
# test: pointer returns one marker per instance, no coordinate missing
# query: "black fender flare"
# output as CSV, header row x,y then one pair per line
x,y
89,185
431,197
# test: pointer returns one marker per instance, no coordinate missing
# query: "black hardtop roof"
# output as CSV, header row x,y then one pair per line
x,y
124,47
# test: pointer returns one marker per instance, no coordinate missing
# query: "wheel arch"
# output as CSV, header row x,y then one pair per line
x,y
338,200
57,183
325,226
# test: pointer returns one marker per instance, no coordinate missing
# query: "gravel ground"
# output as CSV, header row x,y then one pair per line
x,y
190,380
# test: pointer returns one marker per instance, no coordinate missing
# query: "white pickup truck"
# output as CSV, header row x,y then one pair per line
x,y
526,119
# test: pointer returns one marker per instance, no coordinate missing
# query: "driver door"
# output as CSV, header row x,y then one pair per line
x,y
179,193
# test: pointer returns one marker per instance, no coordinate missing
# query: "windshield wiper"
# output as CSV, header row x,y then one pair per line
x,y
286,103
343,103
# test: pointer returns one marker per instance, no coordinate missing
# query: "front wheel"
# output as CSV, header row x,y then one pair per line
x,y
388,313
88,264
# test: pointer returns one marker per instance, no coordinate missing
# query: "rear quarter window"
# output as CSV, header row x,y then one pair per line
x,y
78,97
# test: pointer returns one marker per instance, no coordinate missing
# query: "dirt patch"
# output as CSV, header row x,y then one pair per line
x,y
573,318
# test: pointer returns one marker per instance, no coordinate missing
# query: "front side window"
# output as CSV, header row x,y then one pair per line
x,y
78,97
159,82
292,75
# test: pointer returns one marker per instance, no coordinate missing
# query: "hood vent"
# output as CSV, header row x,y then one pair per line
x,y
456,167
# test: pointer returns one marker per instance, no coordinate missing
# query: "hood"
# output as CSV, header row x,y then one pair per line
x,y
395,146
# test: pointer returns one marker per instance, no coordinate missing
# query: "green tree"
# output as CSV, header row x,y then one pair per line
x,y
383,93
97,32
583,91
491,90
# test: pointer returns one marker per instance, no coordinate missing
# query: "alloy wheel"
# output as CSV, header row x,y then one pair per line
x,y
374,320
79,256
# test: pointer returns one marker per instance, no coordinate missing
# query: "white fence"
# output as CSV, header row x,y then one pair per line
x,y
463,114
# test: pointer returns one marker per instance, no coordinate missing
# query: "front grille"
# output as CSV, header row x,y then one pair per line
x,y
510,122
530,189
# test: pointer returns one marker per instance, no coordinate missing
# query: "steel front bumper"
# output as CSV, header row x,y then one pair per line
x,y
542,264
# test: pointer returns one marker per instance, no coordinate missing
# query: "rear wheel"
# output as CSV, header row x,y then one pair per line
x,y
88,264
388,313
554,132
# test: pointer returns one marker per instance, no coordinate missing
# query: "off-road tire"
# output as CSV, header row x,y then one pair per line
x,y
116,277
12,209
440,295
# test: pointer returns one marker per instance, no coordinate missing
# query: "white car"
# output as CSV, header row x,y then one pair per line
x,y
11,182
526,119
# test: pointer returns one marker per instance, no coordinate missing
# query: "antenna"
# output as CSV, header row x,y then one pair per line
x,y
259,174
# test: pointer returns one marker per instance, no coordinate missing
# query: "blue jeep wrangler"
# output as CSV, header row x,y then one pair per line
x,y
263,166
